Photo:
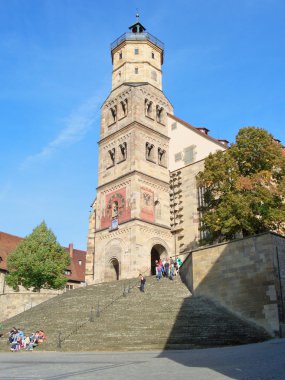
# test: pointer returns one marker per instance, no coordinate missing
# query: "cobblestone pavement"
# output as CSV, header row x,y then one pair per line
x,y
261,361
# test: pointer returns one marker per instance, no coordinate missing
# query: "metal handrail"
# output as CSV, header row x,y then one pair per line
x,y
144,36
90,316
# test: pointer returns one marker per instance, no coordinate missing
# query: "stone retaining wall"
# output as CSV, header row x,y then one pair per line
x,y
247,276
15,303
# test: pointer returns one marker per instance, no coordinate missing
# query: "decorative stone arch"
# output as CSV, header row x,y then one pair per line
x,y
158,249
113,269
114,250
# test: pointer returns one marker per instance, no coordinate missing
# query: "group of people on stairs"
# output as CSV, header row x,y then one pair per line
x,y
163,268
167,268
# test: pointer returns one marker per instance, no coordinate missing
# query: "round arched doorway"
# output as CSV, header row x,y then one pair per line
x,y
113,270
158,251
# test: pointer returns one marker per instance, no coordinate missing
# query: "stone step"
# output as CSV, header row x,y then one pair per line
x,y
166,316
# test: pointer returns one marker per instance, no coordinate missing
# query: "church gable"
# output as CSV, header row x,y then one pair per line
x,y
189,144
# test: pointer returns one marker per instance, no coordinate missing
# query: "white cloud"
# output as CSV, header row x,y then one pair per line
x,y
77,124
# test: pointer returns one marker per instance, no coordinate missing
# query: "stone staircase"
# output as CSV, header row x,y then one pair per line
x,y
117,316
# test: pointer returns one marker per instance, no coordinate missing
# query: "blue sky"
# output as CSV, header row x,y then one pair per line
x,y
224,69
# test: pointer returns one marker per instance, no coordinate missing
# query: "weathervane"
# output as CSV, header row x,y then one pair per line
x,y
137,15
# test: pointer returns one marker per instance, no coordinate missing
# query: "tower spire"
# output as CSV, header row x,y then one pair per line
x,y
137,15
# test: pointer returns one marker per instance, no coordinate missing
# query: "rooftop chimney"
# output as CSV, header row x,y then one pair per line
x,y
70,250
203,130
224,142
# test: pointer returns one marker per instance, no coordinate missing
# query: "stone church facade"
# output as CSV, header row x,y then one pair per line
x,y
146,203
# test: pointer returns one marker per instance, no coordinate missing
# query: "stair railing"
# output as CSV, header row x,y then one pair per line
x,y
132,283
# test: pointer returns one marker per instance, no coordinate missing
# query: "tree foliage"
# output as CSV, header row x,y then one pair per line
x,y
244,187
38,262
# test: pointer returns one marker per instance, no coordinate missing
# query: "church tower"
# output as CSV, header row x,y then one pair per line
x,y
129,227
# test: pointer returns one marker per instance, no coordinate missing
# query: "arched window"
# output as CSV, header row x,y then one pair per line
x,y
149,152
124,105
159,114
161,153
111,157
157,209
113,111
123,152
148,108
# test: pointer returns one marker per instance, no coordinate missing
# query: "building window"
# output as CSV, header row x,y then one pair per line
x,y
152,55
120,55
178,157
159,114
161,157
136,70
111,154
119,75
68,287
154,75
67,272
157,209
188,154
123,152
113,111
80,262
173,126
149,152
148,108
136,51
124,105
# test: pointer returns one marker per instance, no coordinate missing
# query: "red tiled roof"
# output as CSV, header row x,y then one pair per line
x,y
77,264
197,130
8,243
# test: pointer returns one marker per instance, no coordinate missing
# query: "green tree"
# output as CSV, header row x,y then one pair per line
x,y
38,262
244,187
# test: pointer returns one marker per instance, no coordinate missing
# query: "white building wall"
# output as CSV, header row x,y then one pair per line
x,y
187,144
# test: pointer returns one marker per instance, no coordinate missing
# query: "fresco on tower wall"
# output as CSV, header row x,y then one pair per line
x,y
116,206
147,204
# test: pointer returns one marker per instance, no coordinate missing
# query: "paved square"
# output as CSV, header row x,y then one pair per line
x,y
263,361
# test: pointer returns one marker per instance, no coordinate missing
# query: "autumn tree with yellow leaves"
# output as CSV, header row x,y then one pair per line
x,y
244,188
